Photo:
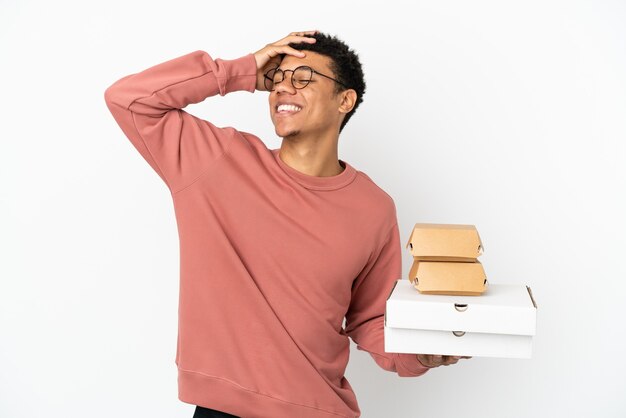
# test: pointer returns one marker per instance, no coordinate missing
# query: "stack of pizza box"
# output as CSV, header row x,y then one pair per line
x,y
445,260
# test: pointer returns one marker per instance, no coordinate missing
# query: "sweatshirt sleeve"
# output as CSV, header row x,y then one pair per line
x,y
365,316
148,108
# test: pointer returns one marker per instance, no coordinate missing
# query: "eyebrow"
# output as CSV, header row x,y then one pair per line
x,y
291,69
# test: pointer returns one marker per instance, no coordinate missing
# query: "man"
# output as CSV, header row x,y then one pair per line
x,y
276,246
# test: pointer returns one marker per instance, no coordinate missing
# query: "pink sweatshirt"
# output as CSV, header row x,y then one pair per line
x,y
271,259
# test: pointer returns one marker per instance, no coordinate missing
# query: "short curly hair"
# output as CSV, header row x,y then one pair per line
x,y
345,65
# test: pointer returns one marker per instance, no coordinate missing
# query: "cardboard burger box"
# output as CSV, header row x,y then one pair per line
x,y
445,242
448,278
499,323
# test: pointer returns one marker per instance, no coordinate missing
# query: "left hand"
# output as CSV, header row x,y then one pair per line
x,y
436,360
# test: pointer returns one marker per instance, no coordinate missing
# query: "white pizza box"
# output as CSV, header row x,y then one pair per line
x,y
499,323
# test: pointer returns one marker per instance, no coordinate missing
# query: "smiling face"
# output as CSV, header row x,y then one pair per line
x,y
318,111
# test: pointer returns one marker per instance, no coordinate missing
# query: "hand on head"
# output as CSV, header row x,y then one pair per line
x,y
272,54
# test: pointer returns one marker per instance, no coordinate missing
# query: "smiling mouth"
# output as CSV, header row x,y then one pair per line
x,y
287,109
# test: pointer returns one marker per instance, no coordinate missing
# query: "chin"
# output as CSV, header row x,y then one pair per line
x,y
286,133
291,134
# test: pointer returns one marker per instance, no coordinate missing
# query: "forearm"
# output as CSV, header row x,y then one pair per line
x,y
181,81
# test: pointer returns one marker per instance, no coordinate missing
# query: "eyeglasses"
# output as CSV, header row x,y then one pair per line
x,y
300,77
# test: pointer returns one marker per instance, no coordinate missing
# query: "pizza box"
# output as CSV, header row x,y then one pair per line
x,y
499,323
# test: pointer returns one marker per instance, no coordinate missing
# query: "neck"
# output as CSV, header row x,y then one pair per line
x,y
313,157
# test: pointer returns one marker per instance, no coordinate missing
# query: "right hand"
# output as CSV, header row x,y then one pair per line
x,y
272,54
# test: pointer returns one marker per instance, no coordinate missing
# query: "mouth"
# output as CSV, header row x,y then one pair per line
x,y
287,109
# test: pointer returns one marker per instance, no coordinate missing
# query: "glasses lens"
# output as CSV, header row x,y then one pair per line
x,y
277,76
270,76
301,77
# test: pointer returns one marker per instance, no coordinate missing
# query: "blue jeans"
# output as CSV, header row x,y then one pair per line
x,y
202,412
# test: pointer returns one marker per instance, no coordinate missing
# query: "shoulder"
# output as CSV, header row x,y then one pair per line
x,y
376,193
375,204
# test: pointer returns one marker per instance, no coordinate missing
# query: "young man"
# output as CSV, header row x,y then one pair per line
x,y
277,246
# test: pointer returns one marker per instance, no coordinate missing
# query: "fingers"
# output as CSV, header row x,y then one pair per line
x,y
436,360
308,32
275,50
447,360
296,39
282,48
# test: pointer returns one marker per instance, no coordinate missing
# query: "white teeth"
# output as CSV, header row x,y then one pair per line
x,y
291,108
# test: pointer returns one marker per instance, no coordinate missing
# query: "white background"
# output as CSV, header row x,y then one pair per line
x,y
508,115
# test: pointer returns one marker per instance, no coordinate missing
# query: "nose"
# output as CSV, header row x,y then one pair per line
x,y
285,86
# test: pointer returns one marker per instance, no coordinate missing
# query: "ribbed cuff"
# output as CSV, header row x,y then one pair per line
x,y
242,74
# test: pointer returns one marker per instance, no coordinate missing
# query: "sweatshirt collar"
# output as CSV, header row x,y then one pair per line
x,y
318,183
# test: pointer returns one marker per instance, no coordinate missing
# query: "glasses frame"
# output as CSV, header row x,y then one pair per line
x,y
267,77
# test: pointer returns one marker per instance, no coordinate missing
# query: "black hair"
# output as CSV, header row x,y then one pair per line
x,y
345,65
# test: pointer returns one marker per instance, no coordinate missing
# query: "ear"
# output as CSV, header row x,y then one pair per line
x,y
348,100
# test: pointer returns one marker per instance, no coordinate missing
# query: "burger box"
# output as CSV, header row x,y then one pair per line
x,y
499,323
448,278
445,242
